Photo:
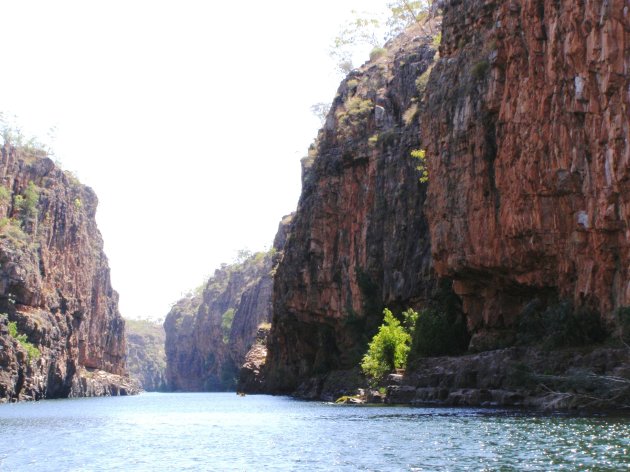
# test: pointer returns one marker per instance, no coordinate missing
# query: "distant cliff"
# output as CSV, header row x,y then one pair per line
x,y
60,330
146,358
359,240
209,334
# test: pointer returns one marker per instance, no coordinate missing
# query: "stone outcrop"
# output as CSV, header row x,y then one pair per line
x,y
569,379
60,330
146,358
359,239
208,335
526,129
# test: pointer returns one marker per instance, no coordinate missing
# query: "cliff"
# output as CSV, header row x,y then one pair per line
x,y
524,119
146,358
60,331
526,130
359,240
208,335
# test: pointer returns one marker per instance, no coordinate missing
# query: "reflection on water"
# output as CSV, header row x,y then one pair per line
x,y
219,431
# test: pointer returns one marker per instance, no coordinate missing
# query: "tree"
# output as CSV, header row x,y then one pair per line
x,y
388,349
366,28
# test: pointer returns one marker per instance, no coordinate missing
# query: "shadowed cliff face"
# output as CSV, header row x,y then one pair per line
x,y
204,353
526,129
146,359
359,239
55,285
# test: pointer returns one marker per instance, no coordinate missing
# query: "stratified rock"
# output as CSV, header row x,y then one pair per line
x,y
146,358
569,379
359,239
526,128
54,285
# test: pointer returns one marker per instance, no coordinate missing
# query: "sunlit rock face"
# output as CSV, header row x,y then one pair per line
x,y
68,338
203,351
359,240
526,128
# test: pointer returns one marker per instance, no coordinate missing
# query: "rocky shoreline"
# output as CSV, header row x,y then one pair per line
x,y
569,380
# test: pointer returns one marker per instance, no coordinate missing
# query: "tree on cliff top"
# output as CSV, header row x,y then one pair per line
x,y
366,28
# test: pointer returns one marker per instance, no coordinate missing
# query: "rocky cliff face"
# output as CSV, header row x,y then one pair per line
x,y
208,335
146,358
526,127
359,239
61,333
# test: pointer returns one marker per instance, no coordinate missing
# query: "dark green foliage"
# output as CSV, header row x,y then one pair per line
x,y
438,334
441,328
560,325
480,69
377,52
226,324
31,351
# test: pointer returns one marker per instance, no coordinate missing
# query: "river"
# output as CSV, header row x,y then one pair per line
x,y
222,431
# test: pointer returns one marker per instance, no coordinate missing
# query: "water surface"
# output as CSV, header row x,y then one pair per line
x,y
221,431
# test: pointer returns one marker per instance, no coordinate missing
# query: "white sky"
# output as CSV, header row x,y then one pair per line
x,y
188,118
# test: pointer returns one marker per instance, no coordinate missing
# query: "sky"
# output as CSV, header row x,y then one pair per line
x,y
188,118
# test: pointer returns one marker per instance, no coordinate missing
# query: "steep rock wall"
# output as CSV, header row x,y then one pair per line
x,y
146,358
202,354
526,128
359,239
55,287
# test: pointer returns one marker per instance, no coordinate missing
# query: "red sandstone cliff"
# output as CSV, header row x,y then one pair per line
x,y
359,240
526,128
55,287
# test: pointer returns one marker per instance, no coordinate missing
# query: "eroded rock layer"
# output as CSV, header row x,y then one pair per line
x,y
60,330
359,240
526,128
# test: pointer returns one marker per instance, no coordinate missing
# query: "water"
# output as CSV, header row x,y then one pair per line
x,y
216,431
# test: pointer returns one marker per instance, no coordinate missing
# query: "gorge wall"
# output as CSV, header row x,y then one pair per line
x,y
526,129
209,334
60,330
359,239
524,119
146,358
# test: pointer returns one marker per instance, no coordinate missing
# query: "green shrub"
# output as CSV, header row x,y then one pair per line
x,y
355,111
437,40
26,204
31,351
226,324
423,80
421,155
388,349
559,325
480,69
5,195
439,333
377,53
441,328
